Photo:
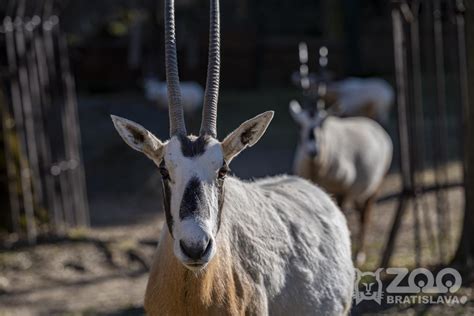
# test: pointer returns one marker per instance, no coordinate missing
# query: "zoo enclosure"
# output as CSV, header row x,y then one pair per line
x,y
430,56
41,137
432,90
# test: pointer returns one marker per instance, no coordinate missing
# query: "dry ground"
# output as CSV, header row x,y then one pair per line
x,y
103,271
95,272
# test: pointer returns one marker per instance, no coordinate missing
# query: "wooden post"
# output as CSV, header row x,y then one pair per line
x,y
17,100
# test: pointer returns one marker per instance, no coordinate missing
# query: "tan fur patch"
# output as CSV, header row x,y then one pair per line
x,y
218,290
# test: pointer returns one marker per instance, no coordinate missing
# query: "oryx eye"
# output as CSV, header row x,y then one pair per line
x,y
223,171
164,172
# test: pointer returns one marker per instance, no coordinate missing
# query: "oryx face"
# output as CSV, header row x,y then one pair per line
x,y
310,123
193,168
193,173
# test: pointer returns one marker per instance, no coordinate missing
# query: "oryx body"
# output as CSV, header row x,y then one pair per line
x,y
283,248
366,97
191,92
348,157
354,157
231,247
369,97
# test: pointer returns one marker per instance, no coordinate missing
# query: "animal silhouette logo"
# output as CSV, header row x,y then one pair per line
x,y
368,286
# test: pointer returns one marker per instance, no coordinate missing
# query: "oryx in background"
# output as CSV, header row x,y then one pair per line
x,y
348,157
192,94
368,97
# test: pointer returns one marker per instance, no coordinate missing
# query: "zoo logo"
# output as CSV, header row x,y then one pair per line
x,y
447,281
372,290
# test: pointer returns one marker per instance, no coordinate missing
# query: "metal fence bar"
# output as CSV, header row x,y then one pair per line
x,y
440,130
410,81
421,207
399,42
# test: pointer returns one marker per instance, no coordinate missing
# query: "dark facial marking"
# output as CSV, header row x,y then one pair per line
x,y
247,135
192,199
221,193
223,171
312,138
137,135
311,134
167,200
193,148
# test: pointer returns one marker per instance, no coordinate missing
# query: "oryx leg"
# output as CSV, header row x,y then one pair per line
x,y
343,201
364,210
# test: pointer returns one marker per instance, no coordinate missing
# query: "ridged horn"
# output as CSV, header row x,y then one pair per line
x,y
211,96
177,123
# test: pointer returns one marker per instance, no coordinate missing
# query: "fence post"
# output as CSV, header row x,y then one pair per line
x,y
401,74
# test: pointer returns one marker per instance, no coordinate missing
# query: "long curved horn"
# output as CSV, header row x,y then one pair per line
x,y
177,124
209,111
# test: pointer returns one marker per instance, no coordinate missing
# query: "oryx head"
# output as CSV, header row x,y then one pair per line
x,y
193,168
310,122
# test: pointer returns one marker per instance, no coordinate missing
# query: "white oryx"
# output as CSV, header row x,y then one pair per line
x,y
369,97
191,94
275,246
348,157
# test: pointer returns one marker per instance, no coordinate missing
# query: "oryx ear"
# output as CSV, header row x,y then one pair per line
x,y
246,135
139,138
297,112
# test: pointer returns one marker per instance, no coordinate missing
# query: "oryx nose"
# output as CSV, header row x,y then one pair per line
x,y
196,250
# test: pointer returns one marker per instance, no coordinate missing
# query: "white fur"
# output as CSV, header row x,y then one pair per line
x,y
181,170
355,154
291,238
284,233
355,93
192,94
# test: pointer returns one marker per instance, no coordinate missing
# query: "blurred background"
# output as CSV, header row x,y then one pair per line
x,y
80,213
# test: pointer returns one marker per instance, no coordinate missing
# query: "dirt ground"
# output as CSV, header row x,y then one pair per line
x,y
103,270
96,272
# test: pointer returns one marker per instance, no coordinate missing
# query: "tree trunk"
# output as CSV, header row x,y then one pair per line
x,y
464,258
